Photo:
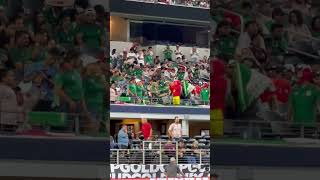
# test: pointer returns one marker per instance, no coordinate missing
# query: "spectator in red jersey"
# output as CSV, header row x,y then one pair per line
x,y
146,129
218,89
282,91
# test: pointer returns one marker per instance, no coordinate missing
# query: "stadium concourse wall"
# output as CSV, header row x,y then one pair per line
x,y
158,49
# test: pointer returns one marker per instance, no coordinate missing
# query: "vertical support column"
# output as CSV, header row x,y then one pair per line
x,y
128,30
185,125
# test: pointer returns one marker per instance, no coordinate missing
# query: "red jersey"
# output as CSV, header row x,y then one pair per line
x,y
266,96
176,88
283,89
218,85
146,130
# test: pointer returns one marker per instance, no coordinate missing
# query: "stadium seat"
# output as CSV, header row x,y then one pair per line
x,y
164,137
204,141
197,137
189,146
184,137
202,146
206,137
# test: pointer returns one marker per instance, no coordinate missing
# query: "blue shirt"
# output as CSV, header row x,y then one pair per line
x,y
123,138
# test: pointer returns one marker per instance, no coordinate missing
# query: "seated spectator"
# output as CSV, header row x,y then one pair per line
x,y
224,42
278,17
298,31
277,43
169,149
315,25
245,39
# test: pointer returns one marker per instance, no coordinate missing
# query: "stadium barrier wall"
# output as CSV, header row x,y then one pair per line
x,y
158,49
125,171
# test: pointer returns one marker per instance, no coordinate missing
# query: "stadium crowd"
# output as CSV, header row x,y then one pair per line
x,y
53,60
280,40
189,150
190,3
141,76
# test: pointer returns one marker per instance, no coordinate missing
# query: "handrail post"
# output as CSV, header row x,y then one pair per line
x,y
200,160
118,156
177,153
160,153
143,153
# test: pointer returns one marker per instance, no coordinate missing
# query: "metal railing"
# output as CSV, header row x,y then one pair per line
x,y
272,127
50,123
157,152
175,3
167,100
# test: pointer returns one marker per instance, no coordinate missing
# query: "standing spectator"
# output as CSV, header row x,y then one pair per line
x,y
282,91
65,34
123,139
146,129
175,129
178,52
194,54
10,110
21,53
205,93
304,101
94,86
113,93
69,87
224,43
172,170
91,33
218,89
167,52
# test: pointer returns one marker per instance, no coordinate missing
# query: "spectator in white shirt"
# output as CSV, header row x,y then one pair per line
x,y
297,29
251,30
178,52
175,129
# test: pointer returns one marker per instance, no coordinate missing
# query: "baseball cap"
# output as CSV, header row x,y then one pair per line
x,y
172,159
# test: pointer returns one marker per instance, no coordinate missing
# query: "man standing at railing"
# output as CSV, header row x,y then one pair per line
x,y
146,129
175,129
123,139
172,170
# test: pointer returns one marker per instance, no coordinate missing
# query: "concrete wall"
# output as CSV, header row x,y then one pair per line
x,y
266,173
119,28
158,49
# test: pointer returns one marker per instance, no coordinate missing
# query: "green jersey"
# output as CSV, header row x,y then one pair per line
x,y
20,55
226,46
148,59
140,91
303,100
278,46
204,95
65,38
94,92
71,83
92,34
167,54
132,89
138,73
